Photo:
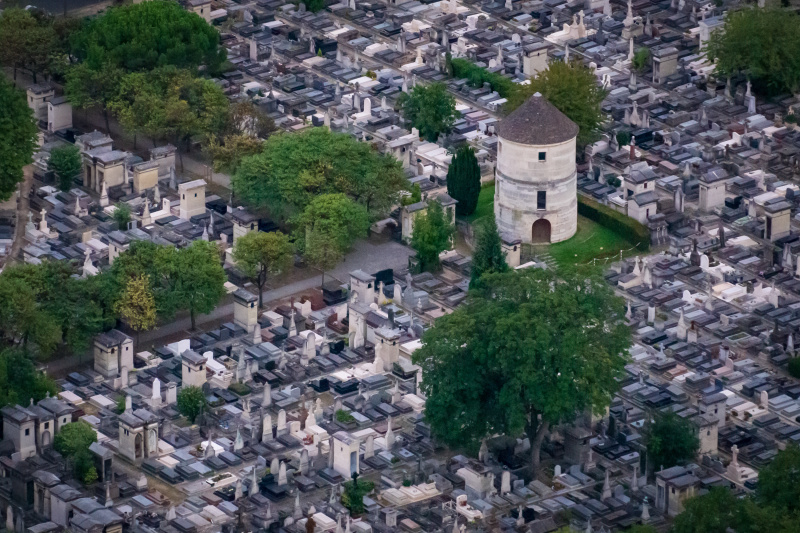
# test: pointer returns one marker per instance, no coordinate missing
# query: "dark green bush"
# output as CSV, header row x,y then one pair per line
x,y
476,75
794,367
625,226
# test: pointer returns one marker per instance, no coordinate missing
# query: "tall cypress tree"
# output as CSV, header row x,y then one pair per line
x,y
488,256
464,180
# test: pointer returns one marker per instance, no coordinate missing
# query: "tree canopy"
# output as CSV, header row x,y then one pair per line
x,y
260,254
141,37
20,381
464,180
528,350
65,163
191,402
671,440
136,306
779,481
429,108
573,89
432,235
18,139
45,305
488,255
189,278
293,168
34,41
761,43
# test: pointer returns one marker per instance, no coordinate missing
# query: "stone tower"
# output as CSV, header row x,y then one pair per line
x,y
535,179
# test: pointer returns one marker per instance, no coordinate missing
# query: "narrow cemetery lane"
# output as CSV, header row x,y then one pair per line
x,y
23,204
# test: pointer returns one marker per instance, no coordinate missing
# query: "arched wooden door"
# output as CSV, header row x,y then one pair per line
x,y
540,233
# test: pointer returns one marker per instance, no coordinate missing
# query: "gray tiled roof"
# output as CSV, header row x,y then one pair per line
x,y
537,122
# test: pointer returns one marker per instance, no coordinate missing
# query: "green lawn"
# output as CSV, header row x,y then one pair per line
x,y
485,202
591,241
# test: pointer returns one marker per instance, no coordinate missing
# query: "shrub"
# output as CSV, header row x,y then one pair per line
x,y
344,417
476,75
353,497
624,225
794,367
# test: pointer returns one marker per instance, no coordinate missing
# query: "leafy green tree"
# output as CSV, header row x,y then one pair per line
x,y
65,163
671,440
623,138
79,308
294,168
641,58
243,135
718,511
779,482
137,306
73,441
488,256
761,43
122,215
429,108
432,235
321,252
86,88
170,103
20,381
337,217
29,41
23,322
196,278
573,89
328,227
260,254
191,402
18,139
154,261
315,6
74,438
142,37
228,152
464,180
530,349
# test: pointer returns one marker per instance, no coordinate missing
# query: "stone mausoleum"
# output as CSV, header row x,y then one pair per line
x,y
535,196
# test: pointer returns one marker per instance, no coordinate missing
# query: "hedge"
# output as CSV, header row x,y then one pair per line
x,y
476,75
633,230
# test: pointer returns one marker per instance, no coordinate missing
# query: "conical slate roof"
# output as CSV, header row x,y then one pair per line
x,y
537,122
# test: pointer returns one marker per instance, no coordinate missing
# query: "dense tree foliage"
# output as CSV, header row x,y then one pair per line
x,y
141,37
464,180
488,256
20,381
528,350
260,255
671,440
328,227
293,168
136,306
191,402
573,89
18,137
73,441
761,43
65,163
779,481
243,134
45,305
170,104
432,235
429,108
190,278
34,41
